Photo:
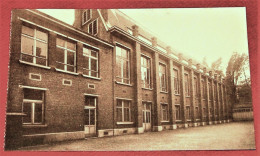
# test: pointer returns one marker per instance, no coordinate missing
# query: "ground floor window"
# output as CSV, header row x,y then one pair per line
x,y
188,113
33,106
123,110
165,116
196,112
177,112
146,112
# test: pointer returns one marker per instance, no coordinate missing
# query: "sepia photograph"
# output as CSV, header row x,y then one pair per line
x,y
136,79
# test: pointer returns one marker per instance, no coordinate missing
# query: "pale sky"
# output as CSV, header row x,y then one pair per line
x,y
197,32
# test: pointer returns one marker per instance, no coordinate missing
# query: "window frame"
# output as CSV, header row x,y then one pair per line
x,y
149,68
33,103
86,11
165,77
89,57
121,77
176,79
188,113
123,110
179,110
35,39
167,112
187,85
92,27
65,50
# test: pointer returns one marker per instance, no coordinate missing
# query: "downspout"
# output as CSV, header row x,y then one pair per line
x,y
113,87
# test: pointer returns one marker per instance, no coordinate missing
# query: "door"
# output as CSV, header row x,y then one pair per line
x,y
90,116
147,116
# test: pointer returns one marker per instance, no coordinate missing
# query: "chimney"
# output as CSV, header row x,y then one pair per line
x,y
135,30
154,41
190,62
180,56
169,50
198,66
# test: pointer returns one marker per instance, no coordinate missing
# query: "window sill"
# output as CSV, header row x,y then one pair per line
x,y
177,94
147,88
164,92
124,123
124,84
187,96
34,125
36,65
165,121
96,78
197,119
63,71
178,120
189,120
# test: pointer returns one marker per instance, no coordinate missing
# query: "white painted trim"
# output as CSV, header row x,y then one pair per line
x,y
30,76
91,84
95,95
66,84
147,101
123,46
87,76
124,123
63,71
124,99
30,87
36,65
82,16
71,28
50,133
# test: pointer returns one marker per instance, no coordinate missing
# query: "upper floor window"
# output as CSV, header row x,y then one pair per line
x,y
33,106
187,84
176,81
196,87
122,65
86,16
146,71
123,110
90,63
162,76
210,91
34,45
93,27
66,55
203,85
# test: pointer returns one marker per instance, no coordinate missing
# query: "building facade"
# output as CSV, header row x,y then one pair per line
x,y
103,76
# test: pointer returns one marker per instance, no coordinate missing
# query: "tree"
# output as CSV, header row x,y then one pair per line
x,y
216,66
234,72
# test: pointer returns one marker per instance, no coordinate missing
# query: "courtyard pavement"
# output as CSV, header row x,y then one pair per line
x,y
227,136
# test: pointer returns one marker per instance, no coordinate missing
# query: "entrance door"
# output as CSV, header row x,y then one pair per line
x,y
147,116
90,116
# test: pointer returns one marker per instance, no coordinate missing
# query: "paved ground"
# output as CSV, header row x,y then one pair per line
x,y
234,135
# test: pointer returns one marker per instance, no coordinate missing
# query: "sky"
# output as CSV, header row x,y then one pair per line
x,y
196,32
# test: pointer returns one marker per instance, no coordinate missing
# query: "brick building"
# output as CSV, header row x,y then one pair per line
x,y
103,76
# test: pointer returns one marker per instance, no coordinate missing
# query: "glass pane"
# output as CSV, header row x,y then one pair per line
x,y
119,114
27,31
27,110
86,51
148,107
70,58
95,27
41,35
118,51
86,62
93,64
27,58
60,42
27,45
60,66
60,55
41,61
90,30
126,114
94,74
119,103
33,94
93,53
41,49
71,68
126,81
86,117
38,113
90,101
125,69
88,14
92,116
124,53
71,46
126,104
144,117
118,67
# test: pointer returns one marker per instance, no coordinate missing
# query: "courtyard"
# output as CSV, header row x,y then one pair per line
x,y
227,136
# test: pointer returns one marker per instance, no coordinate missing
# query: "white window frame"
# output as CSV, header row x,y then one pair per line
x,y
165,77
149,69
188,113
66,84
179,117
89,57
167,110
35,39
66,54
93,27
187,94
33,102
176,92
123,108
122,66
30,76
86,11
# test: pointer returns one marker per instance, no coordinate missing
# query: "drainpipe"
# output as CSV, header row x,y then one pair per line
x,y
113,88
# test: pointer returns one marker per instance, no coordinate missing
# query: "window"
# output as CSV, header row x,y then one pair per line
x,y
93,27
90,63
196,87
34,45
210,91
33,106
86,16
123,110
176,81
196,112
188,113
164,112
66,55
204,93
122,65
177,112
187,85
162,76
204,113
215,89
146,71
